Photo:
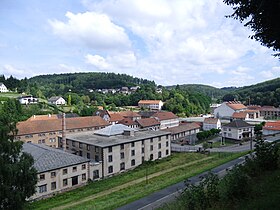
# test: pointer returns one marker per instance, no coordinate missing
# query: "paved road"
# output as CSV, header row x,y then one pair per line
x,y
170,193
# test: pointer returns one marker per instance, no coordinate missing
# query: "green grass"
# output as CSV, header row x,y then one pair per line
x,y
139,190
10,95
217,144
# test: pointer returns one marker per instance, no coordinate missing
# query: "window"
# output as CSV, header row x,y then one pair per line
x,y
159,154
159,138
67,142
122,146
122,155
64,171
167,144
96,158
110,169
167,152
151,148
132,144
151,140
80,145
74,180
96,149
143,159
84,177
166,136
159,145
43,188
143,150
110,149
83,166
65,182
151,157
142,142
96,174
74,169
42,177
88,155
81,153
122,166
73,144
110,158
132,152
53,185
43,141
53,174
132,162
229,129
88,147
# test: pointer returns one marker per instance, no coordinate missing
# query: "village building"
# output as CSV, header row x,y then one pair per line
x,y
211,123
148,124
150,104
166,119
57,171
57,100
240,116
119,148
28,100
227,109
238,130
130,114
269,112
271,128
129,122
3,88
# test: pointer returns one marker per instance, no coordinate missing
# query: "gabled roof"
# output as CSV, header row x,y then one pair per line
x,y
269,108
127,122
238,124
129,114
101,113
54,98
211,120
52,116
235,105
183,127
146,113
47,158
239,115
113,130
164,116
44,126
148,122
274,126
1,83
115,117
149,101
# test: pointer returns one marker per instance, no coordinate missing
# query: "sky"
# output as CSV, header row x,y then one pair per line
x,y
170,42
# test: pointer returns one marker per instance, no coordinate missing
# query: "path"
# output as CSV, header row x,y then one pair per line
x,y
128,184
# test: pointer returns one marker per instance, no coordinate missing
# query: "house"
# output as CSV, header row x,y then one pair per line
x,y
57,171
129,122
238,130
115,118
119,148
150,104
147,114
185,132
148,124
240,116
271,128
57,100
124,90
104,114
28,100
3,88
130,114
47,131
166,119
269,111
210,123
227,109
52,116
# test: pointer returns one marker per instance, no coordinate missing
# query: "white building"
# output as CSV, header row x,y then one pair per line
x,y
57,100
166,119
28,100
227,109
271,128
238,130
210,123
3,88
150,104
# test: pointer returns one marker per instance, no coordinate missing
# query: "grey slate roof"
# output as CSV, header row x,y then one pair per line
x,y
113,130
238,124
54,98
47,158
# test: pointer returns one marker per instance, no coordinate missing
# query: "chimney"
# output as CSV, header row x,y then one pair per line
x,y
63,132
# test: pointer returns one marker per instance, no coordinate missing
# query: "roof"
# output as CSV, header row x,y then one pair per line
x,y
238,124
106,141
101,113
211,120
114,117
235,105
269,108
147,122
164,116
113,130
128,121
47,158
43,117
1,83
129,114
146,113
274,126
149,101
239,115
54,98
183,127
44,126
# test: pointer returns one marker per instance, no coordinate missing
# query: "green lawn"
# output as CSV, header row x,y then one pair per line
x,y
217,144
131,193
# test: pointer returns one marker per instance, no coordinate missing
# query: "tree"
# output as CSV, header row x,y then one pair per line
x,y
262,17
18,176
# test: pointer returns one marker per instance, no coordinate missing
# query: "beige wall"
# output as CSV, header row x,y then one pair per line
x,y
169,123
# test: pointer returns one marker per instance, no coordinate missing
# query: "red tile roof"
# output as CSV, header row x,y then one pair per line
x,y
44,126
183,127
239,115
127,122
129,114
42,117
149,101
164,116
148,122
274,126
236,106
211,120
115,117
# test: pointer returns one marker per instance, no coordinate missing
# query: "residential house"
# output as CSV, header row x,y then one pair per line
x,y
129,122
185,132
166,119
124,90
240,116
3,88
210,123
130,114
271,128
28,100
47,131
238,130
147,114
115,118
269,111
104,114
57,100
119,148
227,109
148,124
57,171
150,104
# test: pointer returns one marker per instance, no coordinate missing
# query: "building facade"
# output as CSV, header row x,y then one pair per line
x,y
238,130
150,104
57,100
3,88
166,119
211,123
227,109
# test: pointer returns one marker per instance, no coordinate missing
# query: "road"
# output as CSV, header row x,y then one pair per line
x,y
170,193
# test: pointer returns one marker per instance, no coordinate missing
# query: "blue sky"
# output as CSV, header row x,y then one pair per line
x,y
170,42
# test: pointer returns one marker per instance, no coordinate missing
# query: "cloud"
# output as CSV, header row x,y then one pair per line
x,y
98,61
93,29
15,72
